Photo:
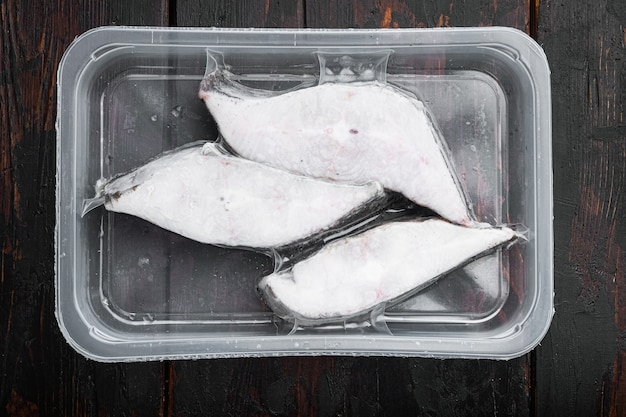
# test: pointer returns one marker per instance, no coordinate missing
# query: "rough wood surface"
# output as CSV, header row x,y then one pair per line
x,y
579,369
40,374
415,14
225,13
580,365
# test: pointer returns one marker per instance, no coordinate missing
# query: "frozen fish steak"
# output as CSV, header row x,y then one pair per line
x,y
353,275
349,132
203,194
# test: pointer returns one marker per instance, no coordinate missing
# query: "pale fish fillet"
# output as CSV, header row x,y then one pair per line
x,y
353,275
203,194
354,132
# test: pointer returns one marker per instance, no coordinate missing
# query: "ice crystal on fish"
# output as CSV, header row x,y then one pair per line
x,y
355,274
206,195
357,132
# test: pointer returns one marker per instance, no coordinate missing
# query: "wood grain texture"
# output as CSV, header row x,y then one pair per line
x,y
331,386
39,373
245,13
417,14
580,366
579,369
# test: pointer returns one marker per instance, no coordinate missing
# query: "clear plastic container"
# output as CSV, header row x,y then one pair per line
x,y
130,291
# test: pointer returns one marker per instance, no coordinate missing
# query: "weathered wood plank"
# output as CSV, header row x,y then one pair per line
x,y
398,14
244,13
39,373
580,365
329,386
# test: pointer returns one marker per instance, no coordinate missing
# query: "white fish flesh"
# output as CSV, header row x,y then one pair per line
x,y
203,194
357,132
353,275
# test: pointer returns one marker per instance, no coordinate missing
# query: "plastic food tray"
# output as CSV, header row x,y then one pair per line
x,y
127,290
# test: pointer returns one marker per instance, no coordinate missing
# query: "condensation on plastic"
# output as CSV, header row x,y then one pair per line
x,y
130,291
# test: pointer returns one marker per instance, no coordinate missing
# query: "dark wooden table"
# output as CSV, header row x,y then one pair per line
x,y
578,370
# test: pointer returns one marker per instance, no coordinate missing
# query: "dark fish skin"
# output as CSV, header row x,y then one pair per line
x,y
393,207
